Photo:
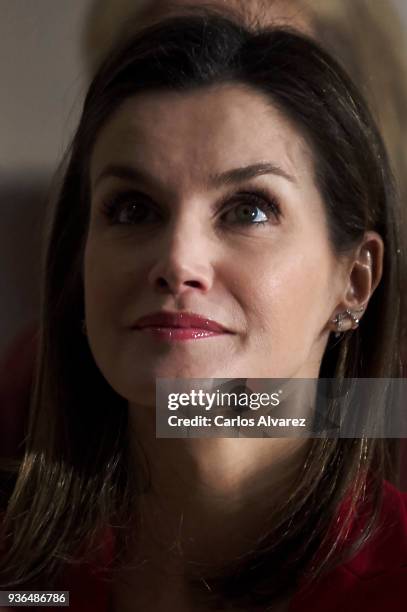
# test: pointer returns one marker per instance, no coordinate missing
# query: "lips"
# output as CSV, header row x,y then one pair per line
x,y
181,320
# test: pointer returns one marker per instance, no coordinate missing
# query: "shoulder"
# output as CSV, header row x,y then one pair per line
x,y
88,583
375,579
387,550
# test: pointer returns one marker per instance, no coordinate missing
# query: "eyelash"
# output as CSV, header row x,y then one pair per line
x,y
257,198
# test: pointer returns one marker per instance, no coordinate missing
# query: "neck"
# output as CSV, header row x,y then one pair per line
x,y
210,489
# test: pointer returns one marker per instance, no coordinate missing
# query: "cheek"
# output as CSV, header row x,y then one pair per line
x,y
103,280
287,289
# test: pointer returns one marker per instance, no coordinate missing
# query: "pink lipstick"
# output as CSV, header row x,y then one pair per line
x,y
170,326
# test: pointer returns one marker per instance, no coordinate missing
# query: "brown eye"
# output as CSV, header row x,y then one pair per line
x,y
247,213
129,208
253,209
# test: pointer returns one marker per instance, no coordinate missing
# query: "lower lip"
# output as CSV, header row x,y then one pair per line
x,y
178,333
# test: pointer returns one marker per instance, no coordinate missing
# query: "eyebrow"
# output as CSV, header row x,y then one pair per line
x,y
235,175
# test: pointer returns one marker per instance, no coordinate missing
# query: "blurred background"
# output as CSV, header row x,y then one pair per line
x,y
45,49
42,78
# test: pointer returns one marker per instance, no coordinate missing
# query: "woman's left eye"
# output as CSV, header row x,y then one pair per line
x,y
248,206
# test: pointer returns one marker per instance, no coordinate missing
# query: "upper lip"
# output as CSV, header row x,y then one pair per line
x,y
165,318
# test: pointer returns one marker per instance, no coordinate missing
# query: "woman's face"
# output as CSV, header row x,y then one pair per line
x,y
192,231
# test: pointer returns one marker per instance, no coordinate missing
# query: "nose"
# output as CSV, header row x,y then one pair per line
x,y
182,263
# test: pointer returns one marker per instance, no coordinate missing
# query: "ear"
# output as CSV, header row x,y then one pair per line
x,y
364,273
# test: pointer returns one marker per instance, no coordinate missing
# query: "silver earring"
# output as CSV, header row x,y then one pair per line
x,y
354,317
338,321
83,327
341,316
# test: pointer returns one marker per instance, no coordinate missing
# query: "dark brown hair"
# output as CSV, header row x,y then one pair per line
x,y
74,479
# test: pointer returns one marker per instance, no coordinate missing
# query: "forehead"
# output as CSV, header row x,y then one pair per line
x,y
250,12
202,130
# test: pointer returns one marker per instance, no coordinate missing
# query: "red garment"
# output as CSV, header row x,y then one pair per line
x,y
375,580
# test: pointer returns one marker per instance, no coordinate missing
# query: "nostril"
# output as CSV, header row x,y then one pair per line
x,y
163,283
193,283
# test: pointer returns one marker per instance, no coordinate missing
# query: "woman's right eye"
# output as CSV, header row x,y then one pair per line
x,y
127,208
